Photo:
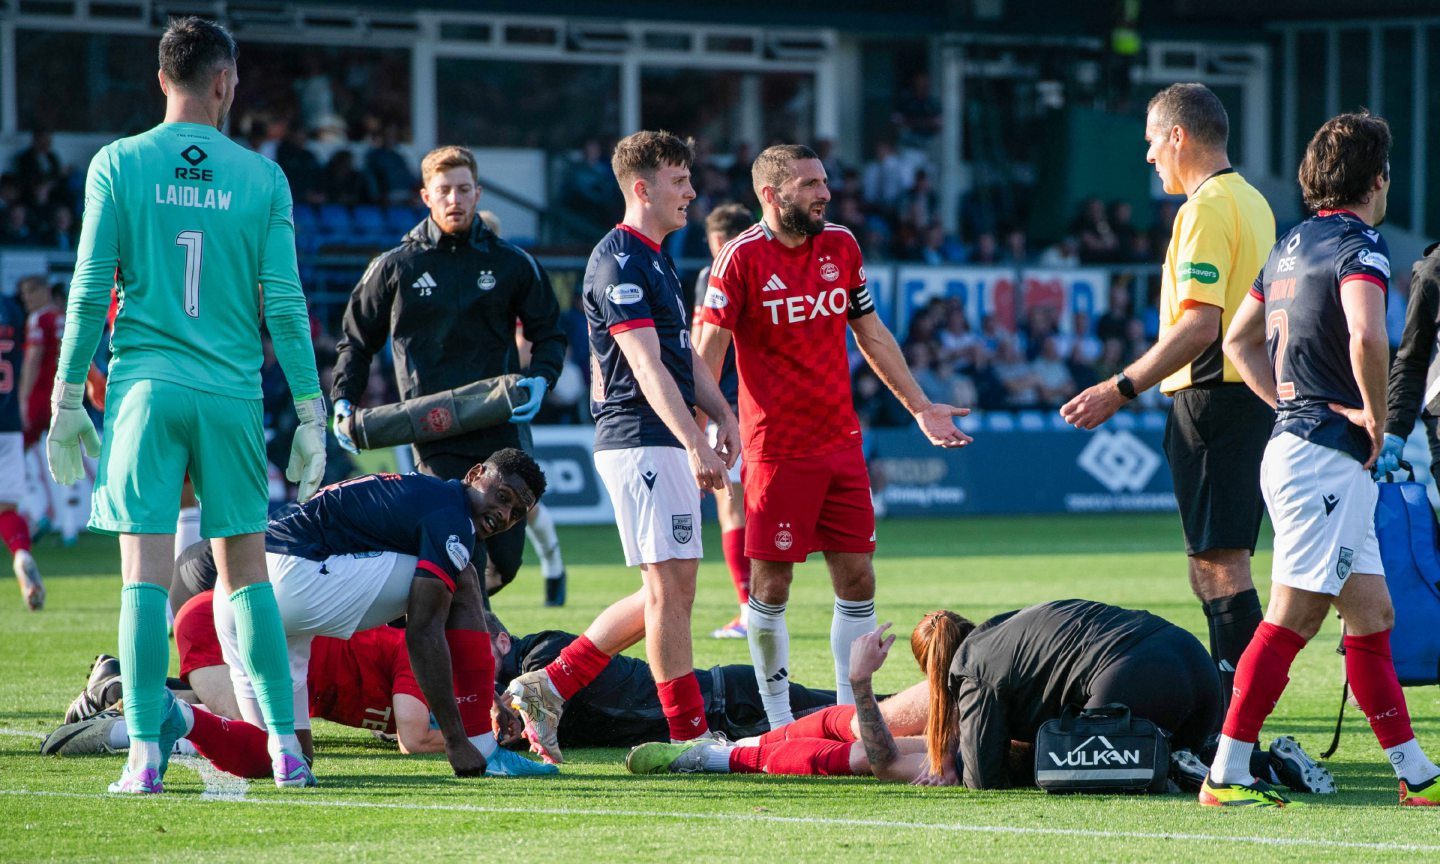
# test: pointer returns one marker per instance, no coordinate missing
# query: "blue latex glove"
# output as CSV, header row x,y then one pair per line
x,y
344,409
526,412
1389,459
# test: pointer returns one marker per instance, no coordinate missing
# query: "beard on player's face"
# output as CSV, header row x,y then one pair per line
x,y
797,218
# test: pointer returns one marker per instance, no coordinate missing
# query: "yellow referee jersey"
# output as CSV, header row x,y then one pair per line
x,y
1222,237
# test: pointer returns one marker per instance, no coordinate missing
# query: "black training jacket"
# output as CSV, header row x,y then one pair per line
x,y
450,303
1019,669
1416,362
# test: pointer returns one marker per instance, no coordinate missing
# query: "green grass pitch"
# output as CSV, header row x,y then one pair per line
x,y
374,804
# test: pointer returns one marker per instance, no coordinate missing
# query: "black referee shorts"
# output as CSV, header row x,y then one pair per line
x,y
1215,439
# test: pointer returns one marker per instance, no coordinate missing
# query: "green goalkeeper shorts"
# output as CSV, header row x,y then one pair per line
x,y
158,431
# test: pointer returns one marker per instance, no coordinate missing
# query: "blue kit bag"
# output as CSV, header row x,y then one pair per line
x,y
1406,527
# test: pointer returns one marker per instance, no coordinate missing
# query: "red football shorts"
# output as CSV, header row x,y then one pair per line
x,y
816,504
195,637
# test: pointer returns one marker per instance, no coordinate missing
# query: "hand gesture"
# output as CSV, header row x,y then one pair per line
x,y
938,424
1094,406
708,467
1361,418
526,411
727,440
868,652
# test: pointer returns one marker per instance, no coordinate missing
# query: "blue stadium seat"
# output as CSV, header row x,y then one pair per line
x,y
402,219
306,220
335,220
369,221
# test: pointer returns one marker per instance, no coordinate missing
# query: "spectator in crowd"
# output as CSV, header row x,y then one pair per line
x,y
1022,388
588,187
835,170
39,163
985,251
1017,248
934,379
917,114
301,167
920,204
1041,322
885,178
1122,225
344,183
15,227
1098,242
60,232
956,339
1052,375
1063,253
395,182
1112,324
1160,228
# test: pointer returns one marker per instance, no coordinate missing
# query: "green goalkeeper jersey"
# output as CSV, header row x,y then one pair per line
x,y
195,234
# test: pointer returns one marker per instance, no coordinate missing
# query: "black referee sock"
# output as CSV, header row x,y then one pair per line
x,y
1232,621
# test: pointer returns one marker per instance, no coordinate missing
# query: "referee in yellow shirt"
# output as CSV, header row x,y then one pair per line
x,y
1218,429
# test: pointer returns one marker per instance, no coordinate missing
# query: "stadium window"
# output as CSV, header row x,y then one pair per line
x,y
1399,110
336,93
563,105
726,111
108,81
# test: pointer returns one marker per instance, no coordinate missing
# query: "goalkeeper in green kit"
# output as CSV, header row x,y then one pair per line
x,y
195,234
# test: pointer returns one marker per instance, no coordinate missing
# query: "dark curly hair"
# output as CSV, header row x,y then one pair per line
x,y
1343,159
511,462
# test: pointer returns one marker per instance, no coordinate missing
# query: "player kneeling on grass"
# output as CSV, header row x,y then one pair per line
x,y
366,551
1320,304
987,690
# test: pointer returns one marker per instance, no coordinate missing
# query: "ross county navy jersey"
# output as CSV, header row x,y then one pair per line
x,y
407,513
630,283
1305,326
12,352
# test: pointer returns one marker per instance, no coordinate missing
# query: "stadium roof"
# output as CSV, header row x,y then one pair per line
x,y
930,16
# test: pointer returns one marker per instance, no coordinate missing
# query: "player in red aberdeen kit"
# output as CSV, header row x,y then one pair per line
x,y
785,290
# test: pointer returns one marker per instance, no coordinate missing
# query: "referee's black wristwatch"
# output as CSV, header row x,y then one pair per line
x,y
1125,386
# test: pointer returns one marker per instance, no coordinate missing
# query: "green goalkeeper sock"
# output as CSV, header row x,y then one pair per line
x,y
262,649
145,657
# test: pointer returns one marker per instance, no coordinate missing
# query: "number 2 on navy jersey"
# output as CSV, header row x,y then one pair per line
x,y
194,244
1277,325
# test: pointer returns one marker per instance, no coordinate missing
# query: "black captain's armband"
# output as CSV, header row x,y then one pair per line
x,y
861,303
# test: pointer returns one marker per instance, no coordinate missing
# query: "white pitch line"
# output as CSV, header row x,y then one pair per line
x,y
290,801
23,733
219,785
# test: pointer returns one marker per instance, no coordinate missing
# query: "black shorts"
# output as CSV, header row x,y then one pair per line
x,y
1215,439
1168,679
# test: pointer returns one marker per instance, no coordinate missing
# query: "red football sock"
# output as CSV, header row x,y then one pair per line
x,y
733,543
1371,671
579,663
684,707
1260,678
13,531
233,746
472,672
830,724
795,756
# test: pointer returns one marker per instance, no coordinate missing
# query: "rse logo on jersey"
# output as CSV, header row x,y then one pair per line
x,y
807,307
625,293
194,155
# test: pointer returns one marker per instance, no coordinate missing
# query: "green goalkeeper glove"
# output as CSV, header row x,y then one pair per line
x,y
70,427
307,452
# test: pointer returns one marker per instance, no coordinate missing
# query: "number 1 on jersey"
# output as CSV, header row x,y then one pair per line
x,y
194,244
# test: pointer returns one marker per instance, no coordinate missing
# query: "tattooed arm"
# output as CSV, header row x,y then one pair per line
x,y
867,655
